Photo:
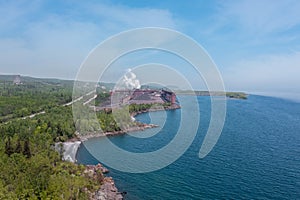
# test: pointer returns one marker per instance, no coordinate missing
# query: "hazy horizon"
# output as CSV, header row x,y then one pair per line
x,y
255,44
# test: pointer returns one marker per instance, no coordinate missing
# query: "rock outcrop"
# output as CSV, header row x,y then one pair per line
x,y
108,190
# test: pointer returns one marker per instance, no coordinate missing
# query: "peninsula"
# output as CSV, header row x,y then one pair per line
x,y
115,110
232,95
36,114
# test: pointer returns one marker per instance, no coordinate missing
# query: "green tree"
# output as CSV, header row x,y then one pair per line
x,y
18,147
8,147
26,150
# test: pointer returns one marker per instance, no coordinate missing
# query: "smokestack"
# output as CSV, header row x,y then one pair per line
x,y
173,98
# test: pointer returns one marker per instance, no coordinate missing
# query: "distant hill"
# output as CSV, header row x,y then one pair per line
x,y
234,95
110,86
28,79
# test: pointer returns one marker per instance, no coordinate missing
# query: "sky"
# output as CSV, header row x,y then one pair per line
x,y
254,43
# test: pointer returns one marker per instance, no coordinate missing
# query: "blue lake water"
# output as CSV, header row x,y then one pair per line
x,y
256,157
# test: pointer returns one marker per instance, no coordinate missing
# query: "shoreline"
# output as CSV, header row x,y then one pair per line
x,y
139,127
108,188
116,133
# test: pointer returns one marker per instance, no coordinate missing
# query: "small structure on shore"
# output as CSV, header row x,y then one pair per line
x,y
17,80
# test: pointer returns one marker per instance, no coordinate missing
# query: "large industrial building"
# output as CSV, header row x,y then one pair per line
x,y
143,96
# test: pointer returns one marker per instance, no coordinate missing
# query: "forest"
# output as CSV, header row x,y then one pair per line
x,y
32,97
33,117
30,168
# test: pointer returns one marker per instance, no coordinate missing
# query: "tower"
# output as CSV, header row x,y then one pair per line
x,y
173,98
17,80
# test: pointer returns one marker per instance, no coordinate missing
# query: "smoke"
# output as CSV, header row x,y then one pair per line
x,y
129,81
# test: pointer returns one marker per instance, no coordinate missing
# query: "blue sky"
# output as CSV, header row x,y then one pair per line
x,y
255,43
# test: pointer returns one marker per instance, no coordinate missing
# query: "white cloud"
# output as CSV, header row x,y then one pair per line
x,y
48,50
129,17
262,16
258,37
16,11
273,73
52,44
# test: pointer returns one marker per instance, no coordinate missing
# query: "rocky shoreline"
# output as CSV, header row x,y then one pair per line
x,y
139,127
115,133
108,190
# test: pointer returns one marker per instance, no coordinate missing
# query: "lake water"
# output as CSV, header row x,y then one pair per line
x,y
256,157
